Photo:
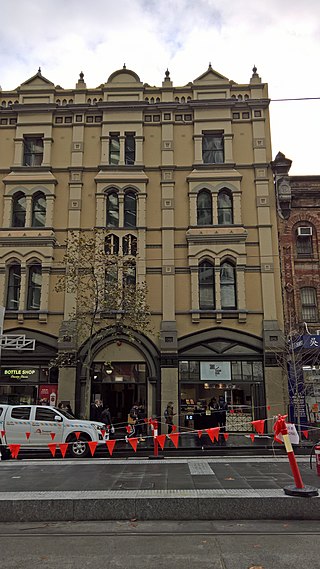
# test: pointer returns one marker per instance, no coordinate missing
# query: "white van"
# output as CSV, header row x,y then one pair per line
x,y
32,427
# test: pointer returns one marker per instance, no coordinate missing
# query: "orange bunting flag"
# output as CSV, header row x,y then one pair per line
x,y
3,433
92,446
77,433
128,429
28,436
226,436
174,428
200,433
14,449
161,440
63,447
134,443
213,433
52,435
252,435
231,411
103,432
306,434
53,448
268,407
110,445
174,437
258,426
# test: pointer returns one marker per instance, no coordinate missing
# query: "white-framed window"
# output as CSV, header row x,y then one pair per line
x,y
34,286
33,150
121,213
13,286
212,147
303,240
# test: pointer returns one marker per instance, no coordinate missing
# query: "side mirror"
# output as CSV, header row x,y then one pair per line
x,y
58,418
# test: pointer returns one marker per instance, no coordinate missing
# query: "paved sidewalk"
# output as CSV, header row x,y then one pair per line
x,y
200,488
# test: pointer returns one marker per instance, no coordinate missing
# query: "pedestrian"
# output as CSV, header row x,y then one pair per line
x,y
132,420
168,416
96,410
106,416
223,408
69,410
213,407
140,425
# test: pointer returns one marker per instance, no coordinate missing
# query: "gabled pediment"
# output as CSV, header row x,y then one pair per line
x,y
37,81
211,76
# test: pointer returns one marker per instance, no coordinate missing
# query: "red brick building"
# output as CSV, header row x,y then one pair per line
x,y
298,208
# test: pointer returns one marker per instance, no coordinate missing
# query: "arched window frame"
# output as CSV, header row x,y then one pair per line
x,y
112,209
228,285
19,210
111,244
206,285
39,210
129,245
34,285
225,212
304,245
13,286
204,207
130,209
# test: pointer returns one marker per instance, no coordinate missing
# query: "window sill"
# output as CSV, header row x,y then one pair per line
x,y
219,315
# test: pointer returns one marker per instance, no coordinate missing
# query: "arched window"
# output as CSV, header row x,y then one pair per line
x,y
309,305
130,209
304,241
129,274
225,208
129,245
39,210
19,205
34,286
112,210
204,208
206,286
111,245
14,285
228,286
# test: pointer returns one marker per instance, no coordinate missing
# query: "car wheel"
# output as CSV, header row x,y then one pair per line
x,y
79,448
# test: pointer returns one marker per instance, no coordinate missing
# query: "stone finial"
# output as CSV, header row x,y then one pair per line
x,y
167,74
124,66
39,70
81,76
255,78
209,66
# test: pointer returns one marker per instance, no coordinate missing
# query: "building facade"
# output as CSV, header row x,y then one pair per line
x,y
298,206
181,179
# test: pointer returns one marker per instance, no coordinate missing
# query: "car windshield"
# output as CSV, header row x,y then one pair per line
x,y
64,413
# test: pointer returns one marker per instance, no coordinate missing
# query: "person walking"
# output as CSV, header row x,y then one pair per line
x,y
223,408
106,416
168,416
96,410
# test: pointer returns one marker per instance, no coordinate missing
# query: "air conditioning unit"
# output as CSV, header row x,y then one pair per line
x,y
304,231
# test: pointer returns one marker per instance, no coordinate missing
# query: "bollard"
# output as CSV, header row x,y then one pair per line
x,y
280,427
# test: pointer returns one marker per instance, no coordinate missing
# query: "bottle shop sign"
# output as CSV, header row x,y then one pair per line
x,y
17,374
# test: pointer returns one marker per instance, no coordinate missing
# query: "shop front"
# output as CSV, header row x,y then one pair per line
x,y
206,387
23,385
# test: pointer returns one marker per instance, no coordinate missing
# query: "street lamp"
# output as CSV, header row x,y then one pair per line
x,y
108,368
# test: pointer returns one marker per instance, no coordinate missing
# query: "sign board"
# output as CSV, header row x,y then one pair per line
x,y
306,342
215,371
293,434
18,374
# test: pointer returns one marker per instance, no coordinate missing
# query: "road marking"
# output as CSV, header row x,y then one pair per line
x,y
200,469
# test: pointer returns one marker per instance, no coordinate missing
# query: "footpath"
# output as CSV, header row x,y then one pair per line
x,y
199,488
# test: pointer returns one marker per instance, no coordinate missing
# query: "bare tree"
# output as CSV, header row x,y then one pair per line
x,y
102,291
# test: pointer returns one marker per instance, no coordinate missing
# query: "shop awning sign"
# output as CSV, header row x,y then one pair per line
x,y
215,371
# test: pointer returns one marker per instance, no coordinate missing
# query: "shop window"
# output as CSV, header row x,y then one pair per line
x,y
39,210
33,151
228,286
130,209
129,245
19,206
112,210
22,413
111,245
114,148
34,287
129,149
309,308
225,208
204,208
212,148
14,285
206,286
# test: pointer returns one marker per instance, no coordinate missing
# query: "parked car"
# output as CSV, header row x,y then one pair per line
x,y
41,421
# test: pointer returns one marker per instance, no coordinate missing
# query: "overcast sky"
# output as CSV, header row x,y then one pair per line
x,y
281,37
